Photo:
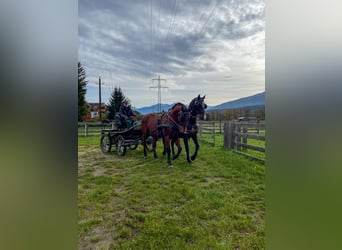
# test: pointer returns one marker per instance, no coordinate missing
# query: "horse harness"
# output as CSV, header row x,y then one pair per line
x,y
173,126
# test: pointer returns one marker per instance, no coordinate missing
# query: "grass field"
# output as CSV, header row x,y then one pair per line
x,y
130,202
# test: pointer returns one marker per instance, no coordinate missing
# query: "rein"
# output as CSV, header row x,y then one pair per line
x,y
168,116
160,126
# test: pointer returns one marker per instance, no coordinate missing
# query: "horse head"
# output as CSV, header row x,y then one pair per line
x,y
197,107
180,114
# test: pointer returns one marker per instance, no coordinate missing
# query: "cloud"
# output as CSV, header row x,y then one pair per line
x,y
195,42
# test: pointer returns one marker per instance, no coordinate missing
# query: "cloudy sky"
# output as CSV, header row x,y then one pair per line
x,y
211,47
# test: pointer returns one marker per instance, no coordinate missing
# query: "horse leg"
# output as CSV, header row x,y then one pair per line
x,y
143,142
173,141
197,146
154,146
168,151
164,150
186,144
173,146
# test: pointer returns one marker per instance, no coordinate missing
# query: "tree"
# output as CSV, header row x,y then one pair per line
x,y
247,112
82,84
115,102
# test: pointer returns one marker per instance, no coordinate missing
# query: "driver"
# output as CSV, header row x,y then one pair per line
x,y
126,114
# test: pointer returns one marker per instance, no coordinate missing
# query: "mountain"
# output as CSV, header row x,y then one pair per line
x,y
249,101
153,108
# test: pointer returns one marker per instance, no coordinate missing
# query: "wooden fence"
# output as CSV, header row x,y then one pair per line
x,y
92,128
207,131
246,138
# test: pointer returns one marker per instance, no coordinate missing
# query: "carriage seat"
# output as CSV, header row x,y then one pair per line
x,y
119,121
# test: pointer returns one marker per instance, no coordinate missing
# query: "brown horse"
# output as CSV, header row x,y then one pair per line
x,y
166,126
196,108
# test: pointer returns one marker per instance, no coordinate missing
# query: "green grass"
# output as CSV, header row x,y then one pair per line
x,y
130,202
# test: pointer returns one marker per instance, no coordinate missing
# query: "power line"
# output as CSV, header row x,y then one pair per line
x,y
172,19
151,42
211,13
200,33
171,28
157,34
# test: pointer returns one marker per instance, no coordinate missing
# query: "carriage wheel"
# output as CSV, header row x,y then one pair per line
x,y
149,143
105,144
133,146
120,149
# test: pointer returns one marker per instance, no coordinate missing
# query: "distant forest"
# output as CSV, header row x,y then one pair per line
x,y
232,114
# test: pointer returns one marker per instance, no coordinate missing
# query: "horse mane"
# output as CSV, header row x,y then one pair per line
x,y
176,104
192,103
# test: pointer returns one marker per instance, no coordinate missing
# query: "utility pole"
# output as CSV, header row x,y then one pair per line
x,y
159,87
100,106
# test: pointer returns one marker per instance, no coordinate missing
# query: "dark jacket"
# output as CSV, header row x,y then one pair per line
x,y
126,112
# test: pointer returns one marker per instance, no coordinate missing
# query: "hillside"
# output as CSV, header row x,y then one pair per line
x,y
153,108
249,101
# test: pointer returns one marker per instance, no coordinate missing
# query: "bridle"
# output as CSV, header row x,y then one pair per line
x,y
199,104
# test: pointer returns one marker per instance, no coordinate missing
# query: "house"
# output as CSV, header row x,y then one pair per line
x,y
93,109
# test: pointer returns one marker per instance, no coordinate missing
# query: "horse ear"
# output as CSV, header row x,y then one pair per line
x,y
199,96
203,97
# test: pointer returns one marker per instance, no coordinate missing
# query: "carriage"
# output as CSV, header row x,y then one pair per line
x,y
121,138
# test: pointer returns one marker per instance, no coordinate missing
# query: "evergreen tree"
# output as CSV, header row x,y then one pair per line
x,y
115,102
82,84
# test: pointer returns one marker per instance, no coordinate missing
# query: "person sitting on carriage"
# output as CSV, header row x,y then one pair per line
x,y
126,114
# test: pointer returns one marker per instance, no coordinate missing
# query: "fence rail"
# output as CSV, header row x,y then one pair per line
x,y
92,128
246,138
207,131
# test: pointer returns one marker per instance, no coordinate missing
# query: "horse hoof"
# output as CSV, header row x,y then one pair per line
x,y
174,157
193,158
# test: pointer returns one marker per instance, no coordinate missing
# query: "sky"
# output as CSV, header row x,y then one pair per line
x,y
208,47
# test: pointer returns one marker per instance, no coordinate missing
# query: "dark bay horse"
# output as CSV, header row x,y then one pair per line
x,y
166,126
196,108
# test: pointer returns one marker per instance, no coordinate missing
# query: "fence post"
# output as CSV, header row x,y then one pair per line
x,y
233,137
237,138
244,139
220,127
228,135
85,129
214,134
